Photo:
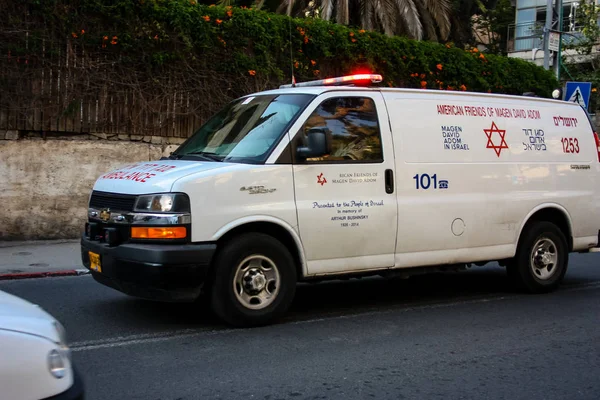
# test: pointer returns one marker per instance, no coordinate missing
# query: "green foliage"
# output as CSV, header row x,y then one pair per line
x,y
589,13
239,43
466,14
491,26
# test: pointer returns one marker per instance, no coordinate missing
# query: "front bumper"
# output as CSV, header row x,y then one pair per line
x,y
75,392
163,272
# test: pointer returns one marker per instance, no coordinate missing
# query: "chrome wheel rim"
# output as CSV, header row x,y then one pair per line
x,y
544,259
256,282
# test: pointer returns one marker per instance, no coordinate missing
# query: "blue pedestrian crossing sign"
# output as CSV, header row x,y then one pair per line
x,y
578,92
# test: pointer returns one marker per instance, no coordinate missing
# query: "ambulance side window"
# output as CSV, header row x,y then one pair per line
x,y
354,128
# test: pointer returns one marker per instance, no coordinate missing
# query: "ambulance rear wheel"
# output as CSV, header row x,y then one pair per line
x,y
541,260
254,280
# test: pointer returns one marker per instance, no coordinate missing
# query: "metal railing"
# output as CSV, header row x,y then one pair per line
x,y
530,35
525,37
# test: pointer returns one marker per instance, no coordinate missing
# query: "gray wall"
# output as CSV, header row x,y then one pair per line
x,y
45,184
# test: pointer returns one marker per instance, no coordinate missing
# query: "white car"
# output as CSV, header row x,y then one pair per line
x,y
35,360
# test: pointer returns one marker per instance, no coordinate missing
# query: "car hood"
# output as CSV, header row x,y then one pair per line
x,y
19,315
150,177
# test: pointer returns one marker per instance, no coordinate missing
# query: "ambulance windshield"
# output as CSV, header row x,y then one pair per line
x,y
246,130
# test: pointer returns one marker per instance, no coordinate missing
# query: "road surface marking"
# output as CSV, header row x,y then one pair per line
x,y
120,341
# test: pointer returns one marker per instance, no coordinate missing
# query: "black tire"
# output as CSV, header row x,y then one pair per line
x,y
223,299
529,276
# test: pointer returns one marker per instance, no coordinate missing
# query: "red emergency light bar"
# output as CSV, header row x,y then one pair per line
x,y
342,80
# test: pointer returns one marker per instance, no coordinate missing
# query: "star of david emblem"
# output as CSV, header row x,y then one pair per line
x,y
321,179
490,143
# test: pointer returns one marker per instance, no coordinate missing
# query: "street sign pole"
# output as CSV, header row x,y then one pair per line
x,y
553,35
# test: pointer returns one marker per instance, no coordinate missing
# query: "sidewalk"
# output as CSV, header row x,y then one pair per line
x,y
37,259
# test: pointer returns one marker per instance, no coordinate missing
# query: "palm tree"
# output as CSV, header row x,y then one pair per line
x,y
418,19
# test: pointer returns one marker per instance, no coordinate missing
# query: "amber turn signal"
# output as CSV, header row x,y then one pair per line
x,y
178,232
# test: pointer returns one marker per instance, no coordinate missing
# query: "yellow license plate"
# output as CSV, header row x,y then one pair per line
x,y
95,262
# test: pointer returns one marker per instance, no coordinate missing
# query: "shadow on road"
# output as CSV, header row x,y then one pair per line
x,y
315,300
372,293
93,312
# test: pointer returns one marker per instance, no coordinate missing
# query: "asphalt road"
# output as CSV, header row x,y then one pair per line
x,y
454,336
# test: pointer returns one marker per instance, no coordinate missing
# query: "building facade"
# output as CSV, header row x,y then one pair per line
x,y
526,35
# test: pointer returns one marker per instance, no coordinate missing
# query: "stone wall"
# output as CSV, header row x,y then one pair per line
x,y
45,182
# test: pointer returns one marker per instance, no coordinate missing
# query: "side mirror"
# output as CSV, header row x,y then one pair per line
x,y
319,144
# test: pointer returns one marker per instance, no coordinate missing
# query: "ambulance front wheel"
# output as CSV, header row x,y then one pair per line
x,y
541,259
254,280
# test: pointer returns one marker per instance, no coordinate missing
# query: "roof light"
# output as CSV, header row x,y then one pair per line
x,y
557,94
348,79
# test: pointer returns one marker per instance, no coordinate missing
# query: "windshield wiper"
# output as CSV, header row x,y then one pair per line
x,y
206,155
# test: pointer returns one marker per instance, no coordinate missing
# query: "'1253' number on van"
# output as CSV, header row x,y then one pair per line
x,y
570,145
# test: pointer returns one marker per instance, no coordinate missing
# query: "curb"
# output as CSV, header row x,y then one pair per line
x,y
5,244
48,274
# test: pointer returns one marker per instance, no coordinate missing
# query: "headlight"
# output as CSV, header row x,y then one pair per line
x,y
56,364
166,202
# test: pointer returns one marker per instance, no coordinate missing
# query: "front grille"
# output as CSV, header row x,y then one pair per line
x,y
114,201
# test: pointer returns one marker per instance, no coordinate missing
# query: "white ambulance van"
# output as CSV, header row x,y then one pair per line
x,y
339,177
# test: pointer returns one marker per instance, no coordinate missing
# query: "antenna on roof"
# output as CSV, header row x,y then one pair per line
x,y
289,12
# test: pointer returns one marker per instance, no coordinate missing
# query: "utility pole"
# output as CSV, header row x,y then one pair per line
x,y
558,26
547,29
554,16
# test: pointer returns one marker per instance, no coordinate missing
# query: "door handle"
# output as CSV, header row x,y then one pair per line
x,y
389,181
